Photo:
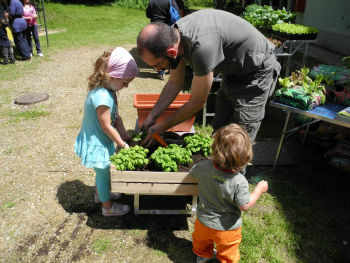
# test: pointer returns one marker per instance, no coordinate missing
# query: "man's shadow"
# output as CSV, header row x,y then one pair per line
x,y
77,197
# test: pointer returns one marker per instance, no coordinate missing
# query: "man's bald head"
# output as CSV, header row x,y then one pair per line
x,y
156,38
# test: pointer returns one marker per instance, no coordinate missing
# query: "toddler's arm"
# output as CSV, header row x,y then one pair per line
x,y
261,188
104,116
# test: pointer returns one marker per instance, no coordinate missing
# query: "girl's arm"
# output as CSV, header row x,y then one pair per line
x,y
119,125
104,116
34,15
261,188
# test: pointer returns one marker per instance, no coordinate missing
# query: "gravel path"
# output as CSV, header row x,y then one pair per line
x,y
47,212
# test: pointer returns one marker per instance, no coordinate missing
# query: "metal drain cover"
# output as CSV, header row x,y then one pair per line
x,y
31,98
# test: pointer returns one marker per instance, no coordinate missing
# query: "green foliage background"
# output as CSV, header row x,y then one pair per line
x,y
132,4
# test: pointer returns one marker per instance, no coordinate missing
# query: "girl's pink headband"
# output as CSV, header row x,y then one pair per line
x,y
121,64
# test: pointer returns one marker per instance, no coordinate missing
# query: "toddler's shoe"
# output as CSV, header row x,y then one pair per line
x,y
40,54
203,260
116,210
113,196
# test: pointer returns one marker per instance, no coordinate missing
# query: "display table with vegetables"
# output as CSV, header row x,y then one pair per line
x,y
139,171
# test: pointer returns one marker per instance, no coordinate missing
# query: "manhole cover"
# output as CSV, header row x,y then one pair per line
x,y
31,98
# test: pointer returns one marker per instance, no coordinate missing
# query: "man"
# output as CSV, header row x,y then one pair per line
x,y
158,11
211,41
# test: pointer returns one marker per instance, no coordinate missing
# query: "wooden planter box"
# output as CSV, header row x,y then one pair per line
x,y
154,183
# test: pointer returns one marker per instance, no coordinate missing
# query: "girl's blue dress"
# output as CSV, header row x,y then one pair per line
x,y
93,145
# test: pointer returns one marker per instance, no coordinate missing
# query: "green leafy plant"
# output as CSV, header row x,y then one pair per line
x,y
310,87
199,144
346,62
168,158
294,29
266,16
139,137
130,159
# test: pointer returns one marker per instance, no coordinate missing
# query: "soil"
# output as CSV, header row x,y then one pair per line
x,y
181,167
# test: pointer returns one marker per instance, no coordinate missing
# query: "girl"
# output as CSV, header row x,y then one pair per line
x,y
114,70
29,14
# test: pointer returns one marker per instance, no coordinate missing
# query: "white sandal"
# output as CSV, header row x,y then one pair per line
x,y
116,210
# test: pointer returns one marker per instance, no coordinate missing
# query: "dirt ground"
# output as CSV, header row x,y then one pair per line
x,y
47,208
47,213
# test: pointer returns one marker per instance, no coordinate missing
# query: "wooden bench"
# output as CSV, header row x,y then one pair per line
x,y
155,183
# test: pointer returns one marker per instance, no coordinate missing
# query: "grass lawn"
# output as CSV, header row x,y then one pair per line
x,y
303,218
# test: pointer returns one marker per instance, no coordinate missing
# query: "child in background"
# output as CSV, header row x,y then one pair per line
x,y
29,14
5,44
114,70
223,194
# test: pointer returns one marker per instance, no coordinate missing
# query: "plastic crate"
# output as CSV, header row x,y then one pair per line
x,y
144,103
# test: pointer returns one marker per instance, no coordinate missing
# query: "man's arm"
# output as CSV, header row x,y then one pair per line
x,y
200,89
168,95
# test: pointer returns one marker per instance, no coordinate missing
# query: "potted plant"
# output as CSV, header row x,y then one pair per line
x,y
294,32
263,17
300,91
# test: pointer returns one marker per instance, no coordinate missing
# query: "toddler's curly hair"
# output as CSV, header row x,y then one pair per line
x,y
231,149
100,76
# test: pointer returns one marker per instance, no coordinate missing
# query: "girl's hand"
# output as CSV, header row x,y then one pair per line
x,y
126,146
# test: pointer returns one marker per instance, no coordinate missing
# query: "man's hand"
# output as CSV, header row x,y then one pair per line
x,y
147,123
158,128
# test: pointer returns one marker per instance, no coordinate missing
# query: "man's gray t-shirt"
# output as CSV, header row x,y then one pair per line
x,y
220,195
220,41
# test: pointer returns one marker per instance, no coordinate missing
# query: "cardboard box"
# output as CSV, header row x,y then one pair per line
x,y
145,103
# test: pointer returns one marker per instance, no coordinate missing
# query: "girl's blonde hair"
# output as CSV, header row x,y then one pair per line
x,y
100,76
232,149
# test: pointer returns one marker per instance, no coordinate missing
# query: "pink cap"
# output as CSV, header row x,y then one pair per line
x,y
121,64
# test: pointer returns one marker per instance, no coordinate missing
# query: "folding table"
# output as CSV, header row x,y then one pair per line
x,y
324,112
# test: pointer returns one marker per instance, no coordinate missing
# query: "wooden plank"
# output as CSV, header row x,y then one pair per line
x,y
154,189
150,177
163,212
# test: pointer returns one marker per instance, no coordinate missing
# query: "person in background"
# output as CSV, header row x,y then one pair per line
x,y
181,6
158,11
29,14
19,26
102,125
223,194
5,44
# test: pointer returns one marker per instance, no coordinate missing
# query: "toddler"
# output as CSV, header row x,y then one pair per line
x,y
223,194
5,44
